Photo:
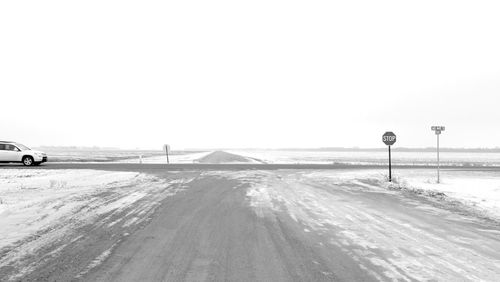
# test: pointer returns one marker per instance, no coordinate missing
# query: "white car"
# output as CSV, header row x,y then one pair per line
x,y
12,152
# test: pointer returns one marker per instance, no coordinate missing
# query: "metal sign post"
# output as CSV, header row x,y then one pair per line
x,y
438,130
166,147
390,165
389,138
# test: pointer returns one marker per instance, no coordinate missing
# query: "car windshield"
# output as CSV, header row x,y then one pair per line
x,y
22,147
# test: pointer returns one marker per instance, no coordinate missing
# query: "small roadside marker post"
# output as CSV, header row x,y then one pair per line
x,y
389,138
438,130
166,147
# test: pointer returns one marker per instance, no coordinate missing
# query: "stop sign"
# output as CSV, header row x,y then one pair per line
x,y
389,138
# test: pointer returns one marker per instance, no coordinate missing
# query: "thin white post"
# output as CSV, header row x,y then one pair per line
x,y
438,155
438,130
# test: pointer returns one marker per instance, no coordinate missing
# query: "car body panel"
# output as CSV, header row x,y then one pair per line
x,y
10,152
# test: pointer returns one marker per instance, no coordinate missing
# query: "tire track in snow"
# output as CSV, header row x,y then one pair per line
x,y
380,229
131,201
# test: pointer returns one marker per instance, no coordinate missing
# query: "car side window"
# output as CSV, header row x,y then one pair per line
x,y
10,147
2,147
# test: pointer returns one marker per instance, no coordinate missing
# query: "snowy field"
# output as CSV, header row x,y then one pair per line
x,y
126,156
377,157
94,155
349,157
465,159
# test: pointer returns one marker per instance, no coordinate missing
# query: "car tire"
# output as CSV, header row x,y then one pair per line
x,y
28,161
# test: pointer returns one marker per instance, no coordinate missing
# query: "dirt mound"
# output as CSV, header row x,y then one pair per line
x,y
221,157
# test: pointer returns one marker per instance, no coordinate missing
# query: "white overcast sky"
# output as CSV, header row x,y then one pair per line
x,y
249,73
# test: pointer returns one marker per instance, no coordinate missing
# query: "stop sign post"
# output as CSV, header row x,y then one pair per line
x,y
389,138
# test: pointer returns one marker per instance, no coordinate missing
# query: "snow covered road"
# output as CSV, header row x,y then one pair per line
x,y
240,225
43,210
392,236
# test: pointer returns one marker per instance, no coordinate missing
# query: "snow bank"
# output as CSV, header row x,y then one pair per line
x,y
477,189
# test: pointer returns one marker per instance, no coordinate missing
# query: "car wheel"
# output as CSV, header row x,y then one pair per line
x,y
28,161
